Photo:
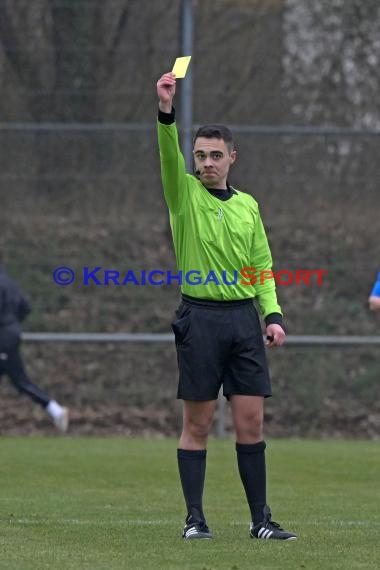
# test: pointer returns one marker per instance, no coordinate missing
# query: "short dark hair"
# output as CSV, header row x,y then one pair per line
x,y
220,132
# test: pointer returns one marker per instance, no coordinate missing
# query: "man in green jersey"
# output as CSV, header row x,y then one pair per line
x,y
219,342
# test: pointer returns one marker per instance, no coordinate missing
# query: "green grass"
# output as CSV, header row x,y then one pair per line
x,y
116,503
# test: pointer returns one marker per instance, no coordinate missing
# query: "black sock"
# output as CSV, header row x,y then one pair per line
x,y
251,462
192,469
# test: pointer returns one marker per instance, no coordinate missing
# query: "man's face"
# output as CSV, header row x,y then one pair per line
x,y
212,160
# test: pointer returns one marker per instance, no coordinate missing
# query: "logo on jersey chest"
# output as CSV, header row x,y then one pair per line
x,y
220,214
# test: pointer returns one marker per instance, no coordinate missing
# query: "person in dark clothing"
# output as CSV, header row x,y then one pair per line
x,y
13,310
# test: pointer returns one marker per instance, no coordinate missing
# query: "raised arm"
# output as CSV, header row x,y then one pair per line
x,y
166,90
173,169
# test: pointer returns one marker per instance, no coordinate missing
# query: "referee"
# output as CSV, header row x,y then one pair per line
x,y
218,229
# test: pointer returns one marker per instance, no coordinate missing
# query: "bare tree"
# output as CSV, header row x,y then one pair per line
x,y
79,61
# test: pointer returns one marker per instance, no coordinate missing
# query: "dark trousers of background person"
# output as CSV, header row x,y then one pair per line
x,y
12,365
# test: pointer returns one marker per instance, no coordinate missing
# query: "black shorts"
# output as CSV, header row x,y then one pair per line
x,y
219,343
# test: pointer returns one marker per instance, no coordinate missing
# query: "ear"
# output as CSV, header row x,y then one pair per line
x,y
232,156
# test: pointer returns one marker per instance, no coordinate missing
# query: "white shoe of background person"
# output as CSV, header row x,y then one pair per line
x,y
60,416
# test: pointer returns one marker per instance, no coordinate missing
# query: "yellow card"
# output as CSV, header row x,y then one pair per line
x,y
180,66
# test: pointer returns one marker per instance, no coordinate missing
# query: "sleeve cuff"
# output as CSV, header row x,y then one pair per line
x,y
274,319
166,118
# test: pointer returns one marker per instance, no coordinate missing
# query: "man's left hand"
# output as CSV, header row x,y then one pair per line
x,y
276,335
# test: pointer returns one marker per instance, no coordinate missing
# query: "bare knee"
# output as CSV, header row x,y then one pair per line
x,y
248,418
195,432
197,421
249,427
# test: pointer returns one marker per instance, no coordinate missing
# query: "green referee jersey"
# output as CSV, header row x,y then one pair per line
x,y
214,239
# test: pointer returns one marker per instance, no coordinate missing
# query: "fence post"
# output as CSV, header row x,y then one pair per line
x,y
187,23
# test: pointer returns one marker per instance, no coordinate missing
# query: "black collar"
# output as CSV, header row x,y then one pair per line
x,y
222,194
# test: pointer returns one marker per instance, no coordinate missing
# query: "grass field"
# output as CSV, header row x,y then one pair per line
x,y
116,503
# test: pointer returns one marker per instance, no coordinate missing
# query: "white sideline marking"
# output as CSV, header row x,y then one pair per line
x,y
131,522
326,523
159,522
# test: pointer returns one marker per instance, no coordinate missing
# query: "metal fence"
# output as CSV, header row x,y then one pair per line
x,y
297,340
330,341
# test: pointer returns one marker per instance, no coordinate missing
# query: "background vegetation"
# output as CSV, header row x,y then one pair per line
x,y
92,196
